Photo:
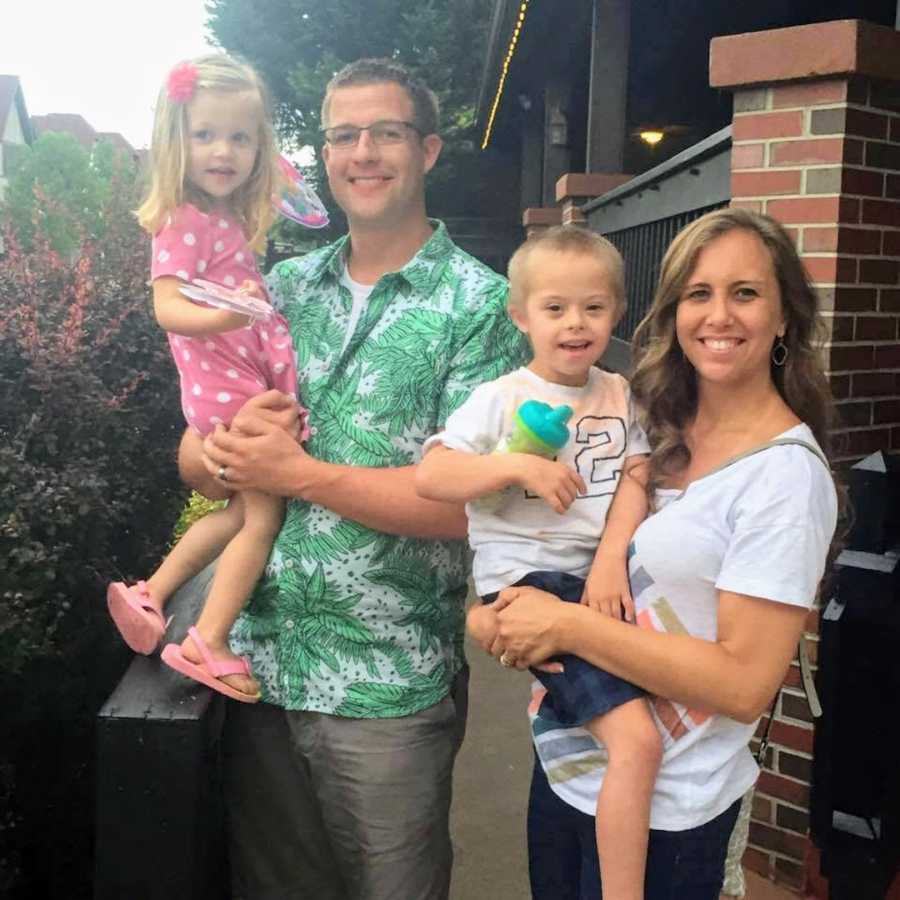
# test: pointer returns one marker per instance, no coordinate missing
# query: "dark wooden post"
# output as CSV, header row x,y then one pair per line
x,y
159,823
608,101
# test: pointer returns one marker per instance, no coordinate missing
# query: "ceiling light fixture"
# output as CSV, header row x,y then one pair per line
x,y
651,136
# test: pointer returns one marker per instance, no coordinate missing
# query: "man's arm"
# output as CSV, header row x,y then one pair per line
x,y
258,453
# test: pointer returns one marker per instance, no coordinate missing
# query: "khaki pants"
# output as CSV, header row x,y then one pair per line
x,y
327,808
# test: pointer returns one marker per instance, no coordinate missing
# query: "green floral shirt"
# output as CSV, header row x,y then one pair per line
x,y
348,620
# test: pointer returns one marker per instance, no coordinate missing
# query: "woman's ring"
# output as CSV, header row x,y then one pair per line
x,y
221,474
506,660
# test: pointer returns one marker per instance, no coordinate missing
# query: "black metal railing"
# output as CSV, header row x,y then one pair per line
x,y
492,241
643,215
643,248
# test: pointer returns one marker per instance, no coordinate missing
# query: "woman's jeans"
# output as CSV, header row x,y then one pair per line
x,y
562,852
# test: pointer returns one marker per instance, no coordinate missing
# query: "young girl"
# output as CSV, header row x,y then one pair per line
x,y
214,171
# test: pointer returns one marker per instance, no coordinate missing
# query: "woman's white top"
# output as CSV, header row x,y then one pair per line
x,y
760,527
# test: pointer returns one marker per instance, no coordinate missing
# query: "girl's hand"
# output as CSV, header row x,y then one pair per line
x,y
546,478
249,286
527,626
608,591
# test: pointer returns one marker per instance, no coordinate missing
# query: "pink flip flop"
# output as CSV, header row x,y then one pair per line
x,y
139,622
210,670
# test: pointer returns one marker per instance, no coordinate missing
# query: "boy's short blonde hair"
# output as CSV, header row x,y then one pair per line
x,y
566,239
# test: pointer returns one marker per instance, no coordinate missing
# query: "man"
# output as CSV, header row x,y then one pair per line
x,y
339,782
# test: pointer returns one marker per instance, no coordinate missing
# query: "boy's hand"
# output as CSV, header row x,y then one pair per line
x,y
555,482
481,623
608,591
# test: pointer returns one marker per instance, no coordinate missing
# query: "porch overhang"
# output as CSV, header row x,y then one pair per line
x,y
505,11
530,42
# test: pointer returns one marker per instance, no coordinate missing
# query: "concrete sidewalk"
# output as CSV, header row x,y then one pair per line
x,y
490,786
491,791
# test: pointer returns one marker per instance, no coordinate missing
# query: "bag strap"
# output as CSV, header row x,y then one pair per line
x,y
777,442
806,676
809,689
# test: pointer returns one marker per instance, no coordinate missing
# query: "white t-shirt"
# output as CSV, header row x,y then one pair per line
x,y
524,534
359,293
760,527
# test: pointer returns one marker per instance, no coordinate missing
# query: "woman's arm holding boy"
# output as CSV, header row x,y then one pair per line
x,y
736,675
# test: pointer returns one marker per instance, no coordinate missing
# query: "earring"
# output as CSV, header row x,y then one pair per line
x,y
779,352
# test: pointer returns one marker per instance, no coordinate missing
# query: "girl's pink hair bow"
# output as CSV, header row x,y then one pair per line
x,y
181,82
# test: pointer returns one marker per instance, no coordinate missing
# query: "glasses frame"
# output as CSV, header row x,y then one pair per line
x,y
359,129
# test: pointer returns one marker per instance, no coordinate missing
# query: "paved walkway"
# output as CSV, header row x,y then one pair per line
x,y
491,791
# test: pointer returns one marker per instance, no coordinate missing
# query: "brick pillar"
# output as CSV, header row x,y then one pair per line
x,y
574,189
816,134
539,218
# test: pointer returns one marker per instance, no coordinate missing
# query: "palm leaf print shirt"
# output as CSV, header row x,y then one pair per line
x,y
348,620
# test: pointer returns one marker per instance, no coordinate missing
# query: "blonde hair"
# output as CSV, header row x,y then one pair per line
x,y
252,201
664,383
565,239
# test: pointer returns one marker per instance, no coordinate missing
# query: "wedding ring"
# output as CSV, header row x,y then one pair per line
x,y
506,660
221,474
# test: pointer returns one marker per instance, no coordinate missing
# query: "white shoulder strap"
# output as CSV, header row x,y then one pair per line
x,y
777,442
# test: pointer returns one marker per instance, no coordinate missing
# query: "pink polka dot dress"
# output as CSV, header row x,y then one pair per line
x,y
219,372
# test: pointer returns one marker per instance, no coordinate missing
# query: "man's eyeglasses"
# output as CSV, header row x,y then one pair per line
x,y
383,134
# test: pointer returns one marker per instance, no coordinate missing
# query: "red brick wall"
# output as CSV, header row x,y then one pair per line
x,y
816,134
778,846
823,157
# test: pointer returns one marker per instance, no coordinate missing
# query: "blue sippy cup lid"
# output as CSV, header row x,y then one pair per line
x,y
548,423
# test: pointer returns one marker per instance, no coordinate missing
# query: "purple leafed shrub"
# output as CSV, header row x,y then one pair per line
x,y
89,424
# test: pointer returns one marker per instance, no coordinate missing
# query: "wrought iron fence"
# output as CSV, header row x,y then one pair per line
x,y
643,248
643,215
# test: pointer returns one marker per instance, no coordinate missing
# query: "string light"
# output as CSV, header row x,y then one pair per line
x,y
504,70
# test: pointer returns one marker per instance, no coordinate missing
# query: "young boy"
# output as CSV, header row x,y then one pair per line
x,y
566,294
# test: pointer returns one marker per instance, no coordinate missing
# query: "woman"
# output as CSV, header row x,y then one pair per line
x,y
723,572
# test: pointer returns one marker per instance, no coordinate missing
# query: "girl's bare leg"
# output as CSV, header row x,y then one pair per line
x,y
198,547
239,568
634,748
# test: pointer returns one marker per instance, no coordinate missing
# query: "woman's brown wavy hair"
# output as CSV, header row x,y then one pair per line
x,y
664,383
